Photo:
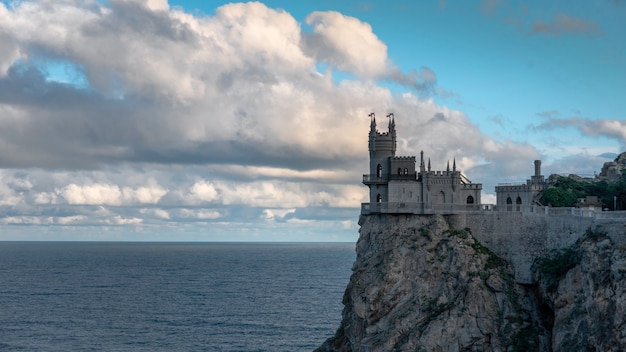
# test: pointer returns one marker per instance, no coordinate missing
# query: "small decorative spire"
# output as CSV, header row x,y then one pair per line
x,y
448,167
373,122
392,124
454,165
428,164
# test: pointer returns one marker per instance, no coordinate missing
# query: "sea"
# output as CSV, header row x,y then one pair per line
x,y
120,296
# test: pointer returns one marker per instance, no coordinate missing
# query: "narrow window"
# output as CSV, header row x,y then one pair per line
x,y
379,198
406,171
399,171
470,200
379,171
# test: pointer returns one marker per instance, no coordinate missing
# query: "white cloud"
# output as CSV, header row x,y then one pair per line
x,y
158,213
96,194
27,220
347,43
203,191
143,195
201,214
45,198
276,214
120,220
104,194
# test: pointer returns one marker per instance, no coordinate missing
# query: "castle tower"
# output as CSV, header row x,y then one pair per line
x,y
538,177
382,147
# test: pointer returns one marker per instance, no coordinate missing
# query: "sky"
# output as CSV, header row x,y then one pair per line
x,y
149,120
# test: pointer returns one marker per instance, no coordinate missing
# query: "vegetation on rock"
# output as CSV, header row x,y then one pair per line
x,y
566,190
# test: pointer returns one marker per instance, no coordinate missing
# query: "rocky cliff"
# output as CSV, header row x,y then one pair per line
x,y
420,285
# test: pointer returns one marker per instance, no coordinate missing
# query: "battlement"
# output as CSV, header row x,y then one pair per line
x,y
476,186
442,173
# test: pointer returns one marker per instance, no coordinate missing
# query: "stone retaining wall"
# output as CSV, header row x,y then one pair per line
x,y
522,237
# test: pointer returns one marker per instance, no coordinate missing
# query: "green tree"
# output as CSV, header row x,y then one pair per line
x,y
558,197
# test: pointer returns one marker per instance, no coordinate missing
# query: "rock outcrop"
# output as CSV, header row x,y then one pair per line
x,y
583,295
612,171
420,285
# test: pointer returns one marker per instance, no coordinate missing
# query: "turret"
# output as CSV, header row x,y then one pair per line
x,y
538,177
382,147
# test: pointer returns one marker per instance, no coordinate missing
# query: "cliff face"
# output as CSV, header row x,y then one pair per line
x,y
420,285
583,295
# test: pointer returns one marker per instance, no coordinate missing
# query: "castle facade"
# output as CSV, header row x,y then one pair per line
x,y
522,197
397,186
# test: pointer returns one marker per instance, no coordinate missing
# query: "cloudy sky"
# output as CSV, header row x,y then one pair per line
x,y
215,121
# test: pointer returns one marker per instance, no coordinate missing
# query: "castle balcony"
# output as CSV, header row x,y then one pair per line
x,y
373,180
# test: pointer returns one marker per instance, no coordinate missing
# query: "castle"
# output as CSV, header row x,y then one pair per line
x,y
518,228
522,197
395,186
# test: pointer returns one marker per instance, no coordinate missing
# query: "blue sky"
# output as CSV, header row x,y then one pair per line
x,y
218,121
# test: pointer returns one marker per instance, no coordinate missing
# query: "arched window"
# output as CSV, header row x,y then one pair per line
x,y
470,200
379,198
443,197
379,171
509,200
399,171
509,204
518,203
406,171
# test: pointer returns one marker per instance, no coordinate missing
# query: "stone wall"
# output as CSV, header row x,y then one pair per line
x,y
521,237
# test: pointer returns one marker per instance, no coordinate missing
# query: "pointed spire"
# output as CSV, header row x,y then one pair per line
x,y
448,167
454,165
422,169
372,122
392,122
428,164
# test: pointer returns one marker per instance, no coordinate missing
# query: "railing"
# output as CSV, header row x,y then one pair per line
x,y
418,208
373,178
422,208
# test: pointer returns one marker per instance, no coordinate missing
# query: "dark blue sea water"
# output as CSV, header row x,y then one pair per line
x,y
81,296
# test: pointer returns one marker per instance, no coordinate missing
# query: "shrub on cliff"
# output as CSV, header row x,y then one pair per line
x,y
554,267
